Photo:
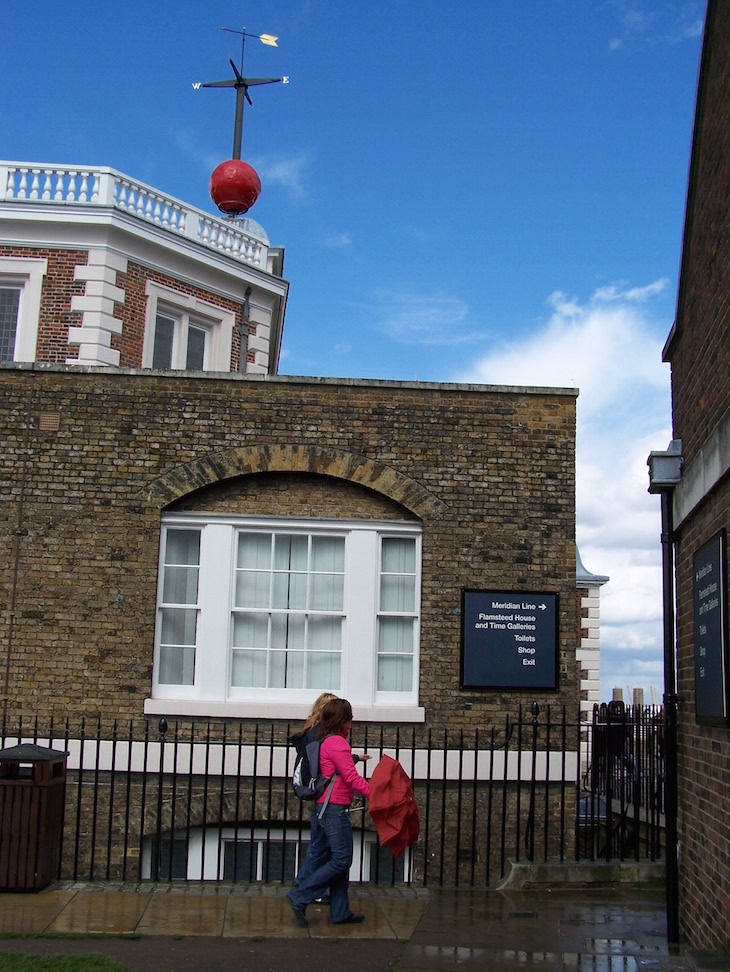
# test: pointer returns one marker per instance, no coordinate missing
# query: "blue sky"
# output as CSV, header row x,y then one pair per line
x,y
488,191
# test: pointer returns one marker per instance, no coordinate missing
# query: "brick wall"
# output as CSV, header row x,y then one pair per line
x,y
131,341
701,394
700,358
704,762
489,473
59,287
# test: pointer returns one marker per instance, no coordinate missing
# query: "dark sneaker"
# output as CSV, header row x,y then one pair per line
x,y
299,913
350,920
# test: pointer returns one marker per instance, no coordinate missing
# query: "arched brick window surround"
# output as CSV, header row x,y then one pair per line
x,y
246,461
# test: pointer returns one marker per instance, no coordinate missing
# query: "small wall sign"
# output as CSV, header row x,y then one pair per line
x,y
710,632
509,640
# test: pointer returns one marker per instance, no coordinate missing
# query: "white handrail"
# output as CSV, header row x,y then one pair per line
x,y
28,182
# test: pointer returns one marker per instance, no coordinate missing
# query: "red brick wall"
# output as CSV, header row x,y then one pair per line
x,y
132,313
701,394
700,359
58,288
703,760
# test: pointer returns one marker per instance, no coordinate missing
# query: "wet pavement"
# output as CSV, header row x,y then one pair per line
x,y
156,928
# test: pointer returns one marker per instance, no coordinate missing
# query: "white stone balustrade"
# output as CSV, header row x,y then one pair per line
x,y
22,182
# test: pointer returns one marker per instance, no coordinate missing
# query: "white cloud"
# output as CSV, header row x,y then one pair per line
x,y
338,240
285,171
642,22
425,319
610,350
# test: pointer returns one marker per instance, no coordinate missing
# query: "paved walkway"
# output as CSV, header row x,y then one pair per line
x,y
156,928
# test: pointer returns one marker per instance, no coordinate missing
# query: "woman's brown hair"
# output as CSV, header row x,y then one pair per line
x,y
335,714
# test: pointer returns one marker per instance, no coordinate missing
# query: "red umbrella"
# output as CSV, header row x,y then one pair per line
x,y
393,806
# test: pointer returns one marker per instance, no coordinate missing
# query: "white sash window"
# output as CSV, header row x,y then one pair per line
x,y
256,609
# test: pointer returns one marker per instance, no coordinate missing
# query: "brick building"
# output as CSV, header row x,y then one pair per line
x,y
163,504
191,536
698,349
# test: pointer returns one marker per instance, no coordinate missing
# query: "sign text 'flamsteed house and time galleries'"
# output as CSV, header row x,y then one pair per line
x,y
509,640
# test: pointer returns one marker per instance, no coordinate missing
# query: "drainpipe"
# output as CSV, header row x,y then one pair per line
x,y
665,471
243,330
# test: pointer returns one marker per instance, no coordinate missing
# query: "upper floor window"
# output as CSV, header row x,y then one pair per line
x,y
179,343
279,611
21,280
9,308
185,333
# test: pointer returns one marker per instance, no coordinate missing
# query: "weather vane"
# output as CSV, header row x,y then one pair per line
x,y
234,184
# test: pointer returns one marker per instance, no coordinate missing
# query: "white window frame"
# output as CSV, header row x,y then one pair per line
x,y
212,693
25,273
186,310
212,840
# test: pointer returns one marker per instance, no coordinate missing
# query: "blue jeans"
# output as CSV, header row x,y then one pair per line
x,y
333,870
317,850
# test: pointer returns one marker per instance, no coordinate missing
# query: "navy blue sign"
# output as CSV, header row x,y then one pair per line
x,y
509,640
710,632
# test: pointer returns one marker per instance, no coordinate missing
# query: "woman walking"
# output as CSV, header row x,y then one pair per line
x,y
317,851
331,828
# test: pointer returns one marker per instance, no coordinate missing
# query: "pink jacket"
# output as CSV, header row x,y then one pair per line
x,y
335,755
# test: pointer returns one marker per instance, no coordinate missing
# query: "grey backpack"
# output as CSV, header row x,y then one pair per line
x,y
307,779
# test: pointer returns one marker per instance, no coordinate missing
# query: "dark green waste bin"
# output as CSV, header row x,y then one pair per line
x,y
32,796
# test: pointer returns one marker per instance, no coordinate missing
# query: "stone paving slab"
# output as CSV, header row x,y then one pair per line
x,y
182,915
90,913
31,914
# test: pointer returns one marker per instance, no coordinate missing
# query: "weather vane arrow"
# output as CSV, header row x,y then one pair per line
x,y
242,84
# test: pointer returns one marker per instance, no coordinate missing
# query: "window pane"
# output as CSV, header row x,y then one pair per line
x,y
177,666
325,634
290,552
252,588
399,555
9,304
395,674
178,626
383,866
287,631
250,630
327,592
176,849
328,554
182,547
277,669
278,866
195,357
254,551
239,863
180,585
323,671
164,334
286,669
290,591
397,593
248,669
396,635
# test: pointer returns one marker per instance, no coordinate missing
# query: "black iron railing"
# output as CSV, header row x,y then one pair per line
x,y
212,801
